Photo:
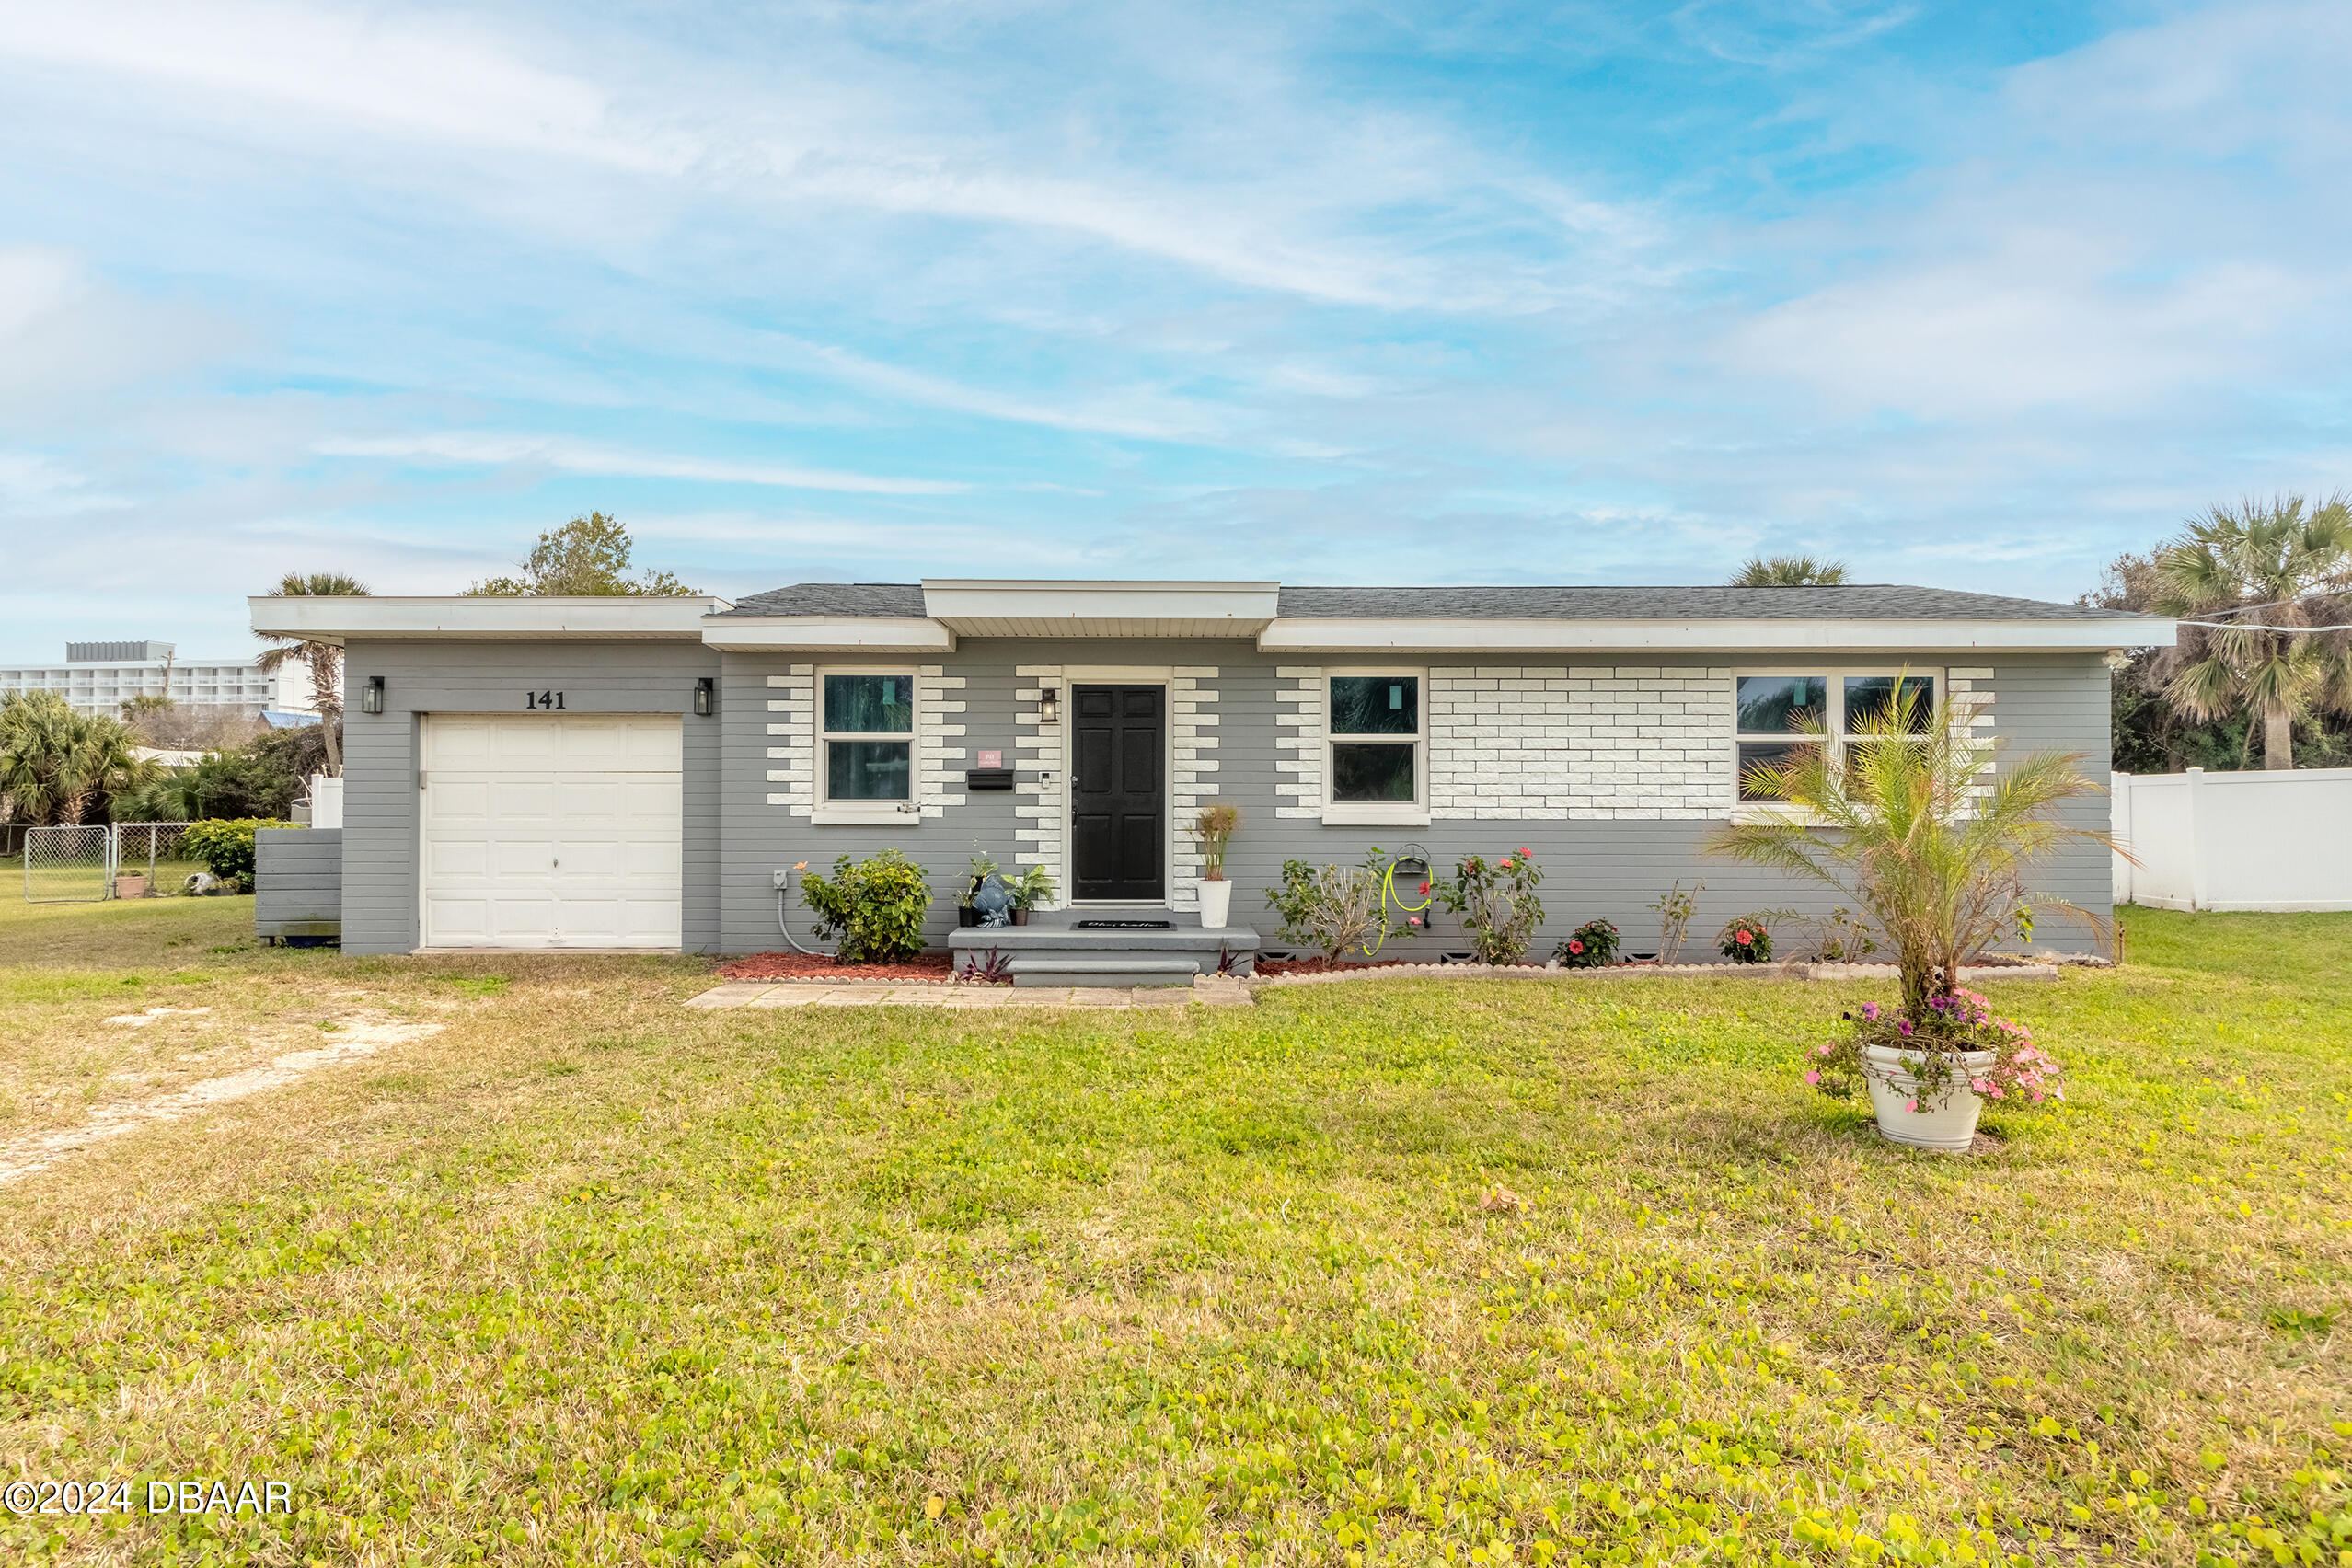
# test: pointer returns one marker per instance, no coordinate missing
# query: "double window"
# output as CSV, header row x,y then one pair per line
x,y
869,736
1375,763
1783,711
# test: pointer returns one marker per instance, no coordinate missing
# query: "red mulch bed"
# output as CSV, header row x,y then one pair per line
x,y
937,967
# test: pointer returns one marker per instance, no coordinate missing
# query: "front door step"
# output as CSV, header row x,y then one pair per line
x,y
1123,969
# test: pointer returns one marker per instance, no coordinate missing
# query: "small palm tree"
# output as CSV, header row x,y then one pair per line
x,y
324,660
1789,571
1909,827
54,761
2279,565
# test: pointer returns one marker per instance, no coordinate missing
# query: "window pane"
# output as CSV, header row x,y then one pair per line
x,y
1874,696
1376,705
1779,705
867,770
1764,753
1371,773
870,705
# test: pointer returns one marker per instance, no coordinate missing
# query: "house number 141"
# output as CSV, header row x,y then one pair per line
x,y
543,699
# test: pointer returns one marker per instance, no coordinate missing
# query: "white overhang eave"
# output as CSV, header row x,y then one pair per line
x,y
827,634
978,608
337,620
1339,634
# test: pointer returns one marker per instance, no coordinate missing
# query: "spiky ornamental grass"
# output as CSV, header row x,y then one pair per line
x,y
1922,824
590,1278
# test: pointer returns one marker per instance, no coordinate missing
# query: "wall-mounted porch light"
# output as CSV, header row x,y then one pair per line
x,y
372,695
1049,706
706,697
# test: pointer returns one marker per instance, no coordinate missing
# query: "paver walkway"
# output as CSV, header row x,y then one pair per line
x,y
803,993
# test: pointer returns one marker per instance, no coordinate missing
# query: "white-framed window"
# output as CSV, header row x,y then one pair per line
x,y
865,751
1376,753
1773,708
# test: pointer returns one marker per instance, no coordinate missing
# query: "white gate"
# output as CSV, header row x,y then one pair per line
x,y
68,865
149,861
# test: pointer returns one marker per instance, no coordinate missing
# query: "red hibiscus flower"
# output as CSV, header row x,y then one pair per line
x,y
1576,947
1745,938
1526,853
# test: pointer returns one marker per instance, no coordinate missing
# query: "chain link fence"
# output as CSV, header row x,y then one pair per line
x,y
149,861
68,865
87,864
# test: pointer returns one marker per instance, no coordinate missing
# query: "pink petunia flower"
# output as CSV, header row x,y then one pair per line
x,y
1812,1077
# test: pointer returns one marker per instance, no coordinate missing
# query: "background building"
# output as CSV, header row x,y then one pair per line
x,y
99,677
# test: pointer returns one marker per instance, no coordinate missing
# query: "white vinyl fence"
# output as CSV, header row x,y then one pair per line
x,y
2253,840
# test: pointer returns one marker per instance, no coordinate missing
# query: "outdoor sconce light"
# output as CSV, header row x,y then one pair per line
x,y
706,696
1049,706
372,695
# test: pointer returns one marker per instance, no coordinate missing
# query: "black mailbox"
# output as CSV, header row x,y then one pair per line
x,y
987,778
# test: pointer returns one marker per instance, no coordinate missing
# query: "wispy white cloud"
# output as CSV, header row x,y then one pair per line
x,y
490,451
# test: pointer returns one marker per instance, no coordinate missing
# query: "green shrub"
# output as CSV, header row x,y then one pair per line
x,y
1497,902
226,847
875,906
1747,939
1592,945
1337,908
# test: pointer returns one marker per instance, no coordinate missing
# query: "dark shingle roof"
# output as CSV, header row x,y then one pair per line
x,y
904,600
1861,601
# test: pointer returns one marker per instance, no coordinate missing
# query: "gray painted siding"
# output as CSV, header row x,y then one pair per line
x,y
1608,869
297,881
380,820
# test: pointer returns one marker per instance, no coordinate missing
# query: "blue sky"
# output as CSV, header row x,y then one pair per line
x,y
1973,295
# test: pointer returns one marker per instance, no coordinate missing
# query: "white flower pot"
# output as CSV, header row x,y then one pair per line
x,y
1949,1124
1217,902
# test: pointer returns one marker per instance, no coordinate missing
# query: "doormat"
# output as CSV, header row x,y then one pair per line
x,y
1123,925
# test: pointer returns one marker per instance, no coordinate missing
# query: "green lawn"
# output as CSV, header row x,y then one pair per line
x,y
591,1277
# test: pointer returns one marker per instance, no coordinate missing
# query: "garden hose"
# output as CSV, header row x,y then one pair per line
x,y
1389,894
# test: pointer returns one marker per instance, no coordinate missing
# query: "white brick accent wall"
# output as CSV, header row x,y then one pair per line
x,y
939,723
1298,743
1521,742
791,740
1040,778
1971,707
1192,721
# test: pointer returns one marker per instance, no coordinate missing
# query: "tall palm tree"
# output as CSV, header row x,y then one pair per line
x,y
1907,826
2275,566
324,660
54,761
1789,571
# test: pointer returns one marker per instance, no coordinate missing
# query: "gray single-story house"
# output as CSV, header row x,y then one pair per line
x,y
644,773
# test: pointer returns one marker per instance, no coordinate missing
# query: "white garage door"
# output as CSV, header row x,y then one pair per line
x,y
551,831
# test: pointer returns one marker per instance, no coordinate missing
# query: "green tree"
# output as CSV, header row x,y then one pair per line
x,y
55,762
1906,827
2268,570
1789,571
588,555
324,660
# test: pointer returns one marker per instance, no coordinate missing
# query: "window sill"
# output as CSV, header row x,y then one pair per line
x,y
1337,816
880,814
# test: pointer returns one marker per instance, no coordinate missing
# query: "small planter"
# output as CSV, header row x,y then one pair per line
x,y
129,887
1020,916
1216,904
966,916
1949,1126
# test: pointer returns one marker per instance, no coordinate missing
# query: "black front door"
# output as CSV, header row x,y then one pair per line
x,y
1117,826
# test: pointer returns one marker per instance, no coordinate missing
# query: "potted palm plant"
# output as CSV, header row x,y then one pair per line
x,y
1030,888
1916,826
1214,827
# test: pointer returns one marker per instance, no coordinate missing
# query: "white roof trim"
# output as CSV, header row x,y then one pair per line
x,y
337,620
1305,635
982,608
826,634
